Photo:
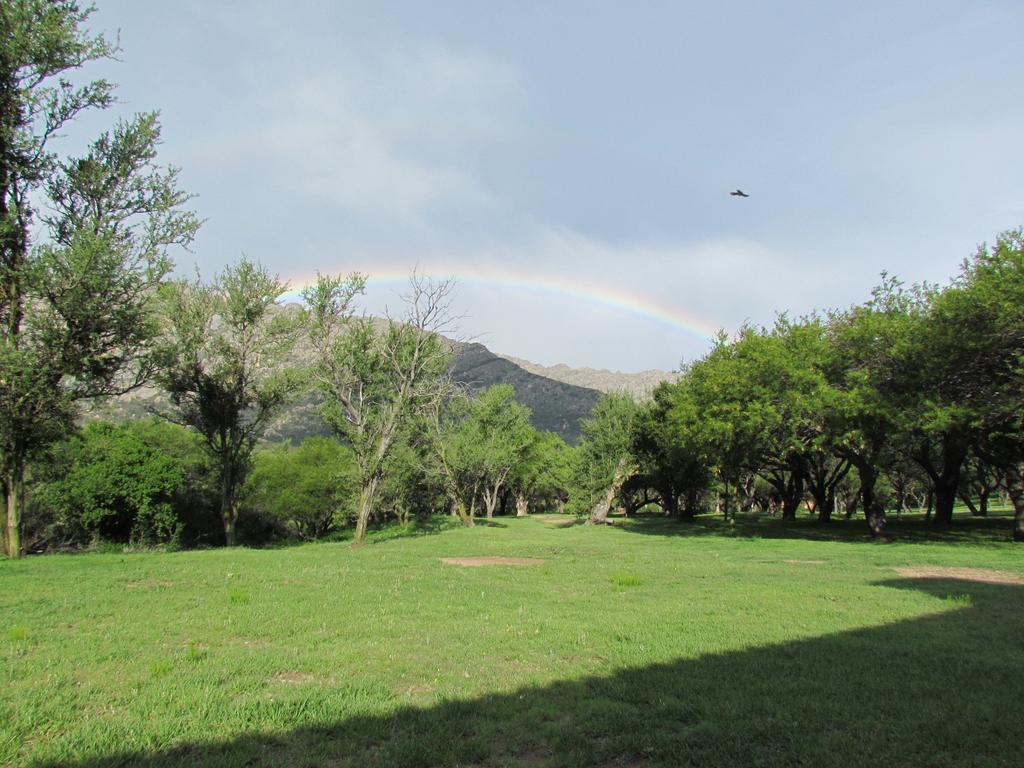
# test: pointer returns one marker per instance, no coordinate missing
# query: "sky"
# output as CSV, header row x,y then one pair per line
x,y
570,163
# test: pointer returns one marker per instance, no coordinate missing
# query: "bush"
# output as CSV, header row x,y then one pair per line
x,y
106,483
302,490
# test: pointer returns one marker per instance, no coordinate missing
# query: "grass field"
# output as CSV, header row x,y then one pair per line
x,y
645,644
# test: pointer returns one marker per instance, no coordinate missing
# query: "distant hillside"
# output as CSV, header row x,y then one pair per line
x,y
638,384
556,406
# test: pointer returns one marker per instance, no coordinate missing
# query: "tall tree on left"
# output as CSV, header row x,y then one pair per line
x,y
83,240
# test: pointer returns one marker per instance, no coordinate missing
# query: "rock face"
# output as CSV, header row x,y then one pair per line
x,y
639,384
557,406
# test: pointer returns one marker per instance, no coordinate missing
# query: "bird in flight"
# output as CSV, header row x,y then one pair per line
x,y
739,193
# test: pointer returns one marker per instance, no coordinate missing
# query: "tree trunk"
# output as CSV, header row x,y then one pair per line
x,y
670,503
228,509
1015,489
459,510
873,511
366,497
851,505
522,505
826,506
14,500
688,510
727,511
599,514
945,498
969,503
792,496
947,481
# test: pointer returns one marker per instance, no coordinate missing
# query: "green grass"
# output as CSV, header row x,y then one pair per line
x,y
645,644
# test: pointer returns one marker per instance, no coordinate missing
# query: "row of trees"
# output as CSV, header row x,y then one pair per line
x,y
911,393
920,388
151,482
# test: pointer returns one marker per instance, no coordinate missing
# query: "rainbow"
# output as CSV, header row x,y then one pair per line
x,y
562,286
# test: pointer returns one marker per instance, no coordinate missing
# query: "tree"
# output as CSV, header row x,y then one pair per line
x,y
501,434
223,349
197,497
74,307
669,450
602,461
375,380
990,303
542,474
456,458
862,361
734,424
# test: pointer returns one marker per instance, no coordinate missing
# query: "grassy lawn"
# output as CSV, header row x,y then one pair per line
x,y
643,644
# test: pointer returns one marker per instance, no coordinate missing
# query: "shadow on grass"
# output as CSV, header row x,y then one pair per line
x,y
941,690
911,528
415,528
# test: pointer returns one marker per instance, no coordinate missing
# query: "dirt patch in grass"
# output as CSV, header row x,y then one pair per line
x,y
292,677
149,584
477,562
984,575
805,562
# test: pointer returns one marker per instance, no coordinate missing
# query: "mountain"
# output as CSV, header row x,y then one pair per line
x,y
557,406
640,384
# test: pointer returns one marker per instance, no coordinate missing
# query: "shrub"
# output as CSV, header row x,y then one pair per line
x,y
303,490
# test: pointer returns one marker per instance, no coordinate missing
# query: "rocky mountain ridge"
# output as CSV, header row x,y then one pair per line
x,y
639,384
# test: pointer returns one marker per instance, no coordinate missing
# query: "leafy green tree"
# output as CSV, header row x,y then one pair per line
x,y
734,423
376,381
863,357
542,474
408,488
501,435
932,386
306,488
74,309
988,305
669,449
116,488
223,349
456,458
602,460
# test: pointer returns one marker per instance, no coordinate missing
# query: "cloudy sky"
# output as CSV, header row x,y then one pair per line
x,y
570,162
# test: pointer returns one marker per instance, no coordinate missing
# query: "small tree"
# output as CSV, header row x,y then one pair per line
x,y
542,474
224,347
376,379
602,460
500,430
